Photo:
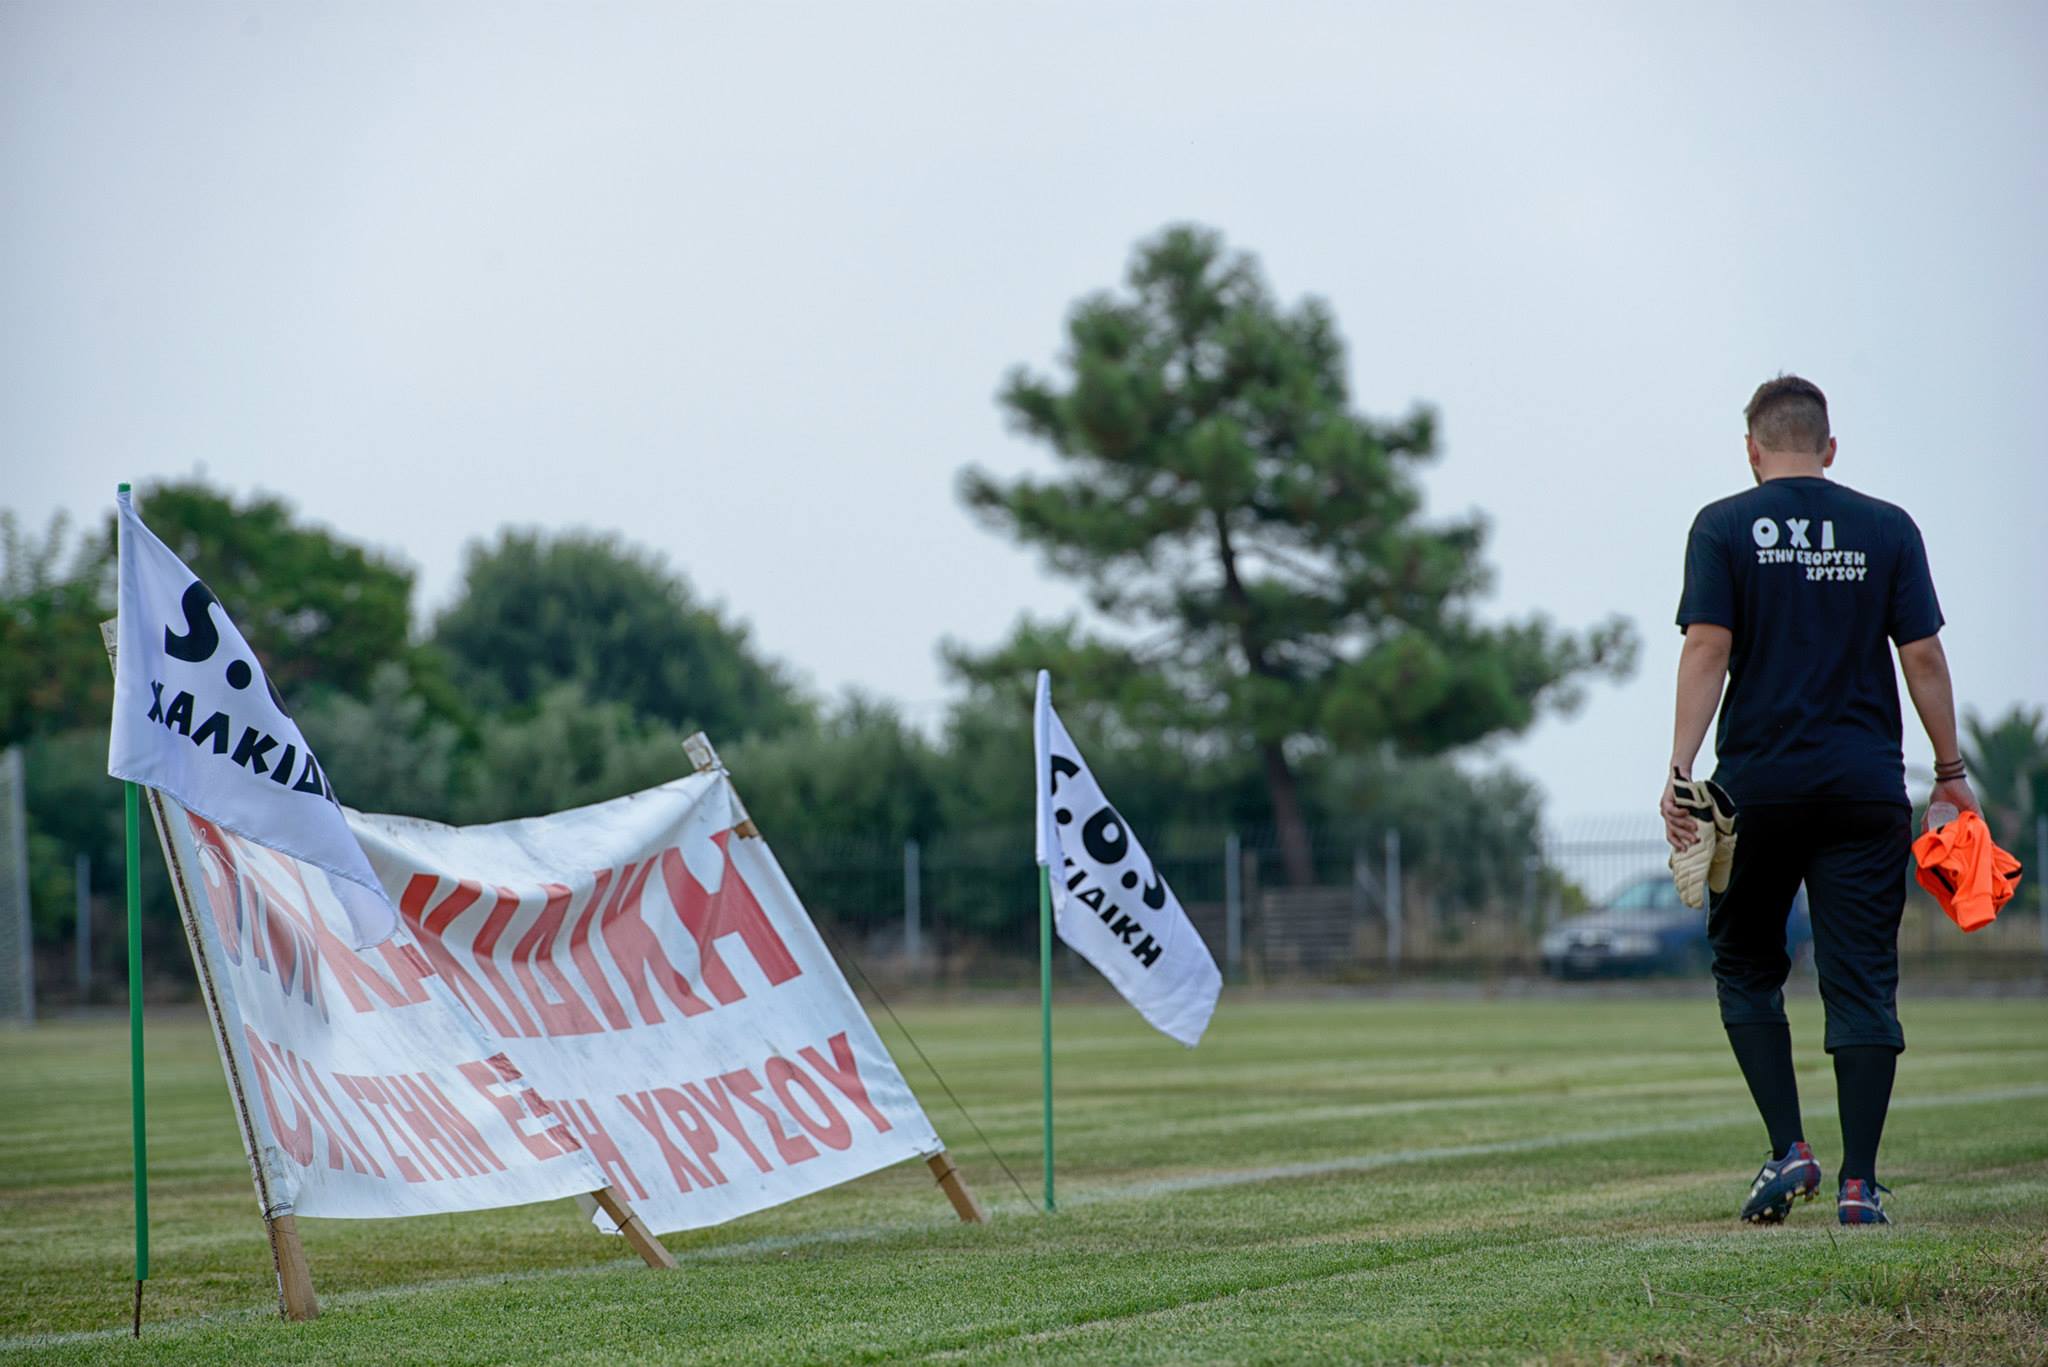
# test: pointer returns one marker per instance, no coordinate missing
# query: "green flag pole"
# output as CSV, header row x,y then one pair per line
x,y
1045,1012
131,812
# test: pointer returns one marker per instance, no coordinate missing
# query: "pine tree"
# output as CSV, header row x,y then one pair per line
x,y
1263,543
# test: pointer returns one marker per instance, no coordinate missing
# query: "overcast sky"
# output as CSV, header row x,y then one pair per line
x,y
741,281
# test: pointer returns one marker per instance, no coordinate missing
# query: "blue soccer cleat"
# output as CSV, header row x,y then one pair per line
x,y
1858,1203
1779,1182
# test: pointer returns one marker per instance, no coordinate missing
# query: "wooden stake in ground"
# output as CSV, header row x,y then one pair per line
x,y
295,1298
957,1191
632,1227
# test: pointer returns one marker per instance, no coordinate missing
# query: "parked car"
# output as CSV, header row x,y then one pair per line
x,y
1643,929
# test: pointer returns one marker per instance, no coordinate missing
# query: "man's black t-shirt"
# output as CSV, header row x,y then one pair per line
x,y
1812,579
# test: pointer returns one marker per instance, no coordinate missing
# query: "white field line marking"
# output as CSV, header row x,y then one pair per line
x,y
1208,1181
1701,1090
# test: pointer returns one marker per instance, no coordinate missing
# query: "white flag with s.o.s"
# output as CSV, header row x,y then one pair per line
x,y
1109,903
195,717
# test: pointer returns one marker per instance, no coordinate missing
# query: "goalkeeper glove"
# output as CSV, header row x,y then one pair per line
x,y
1705,864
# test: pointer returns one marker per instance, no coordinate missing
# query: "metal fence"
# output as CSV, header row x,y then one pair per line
x,y
962,912
1592,898
17,924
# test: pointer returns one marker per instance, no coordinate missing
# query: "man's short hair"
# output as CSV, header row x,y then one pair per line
x,y
1788,414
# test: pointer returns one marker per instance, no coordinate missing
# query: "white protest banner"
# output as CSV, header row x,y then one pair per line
x,y
364,1089
649,969
1109,903
196,717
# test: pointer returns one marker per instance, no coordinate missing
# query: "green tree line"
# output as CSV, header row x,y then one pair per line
x,y
566,670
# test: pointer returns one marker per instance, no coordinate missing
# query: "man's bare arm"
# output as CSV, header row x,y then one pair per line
x,y
1925,665
1702,669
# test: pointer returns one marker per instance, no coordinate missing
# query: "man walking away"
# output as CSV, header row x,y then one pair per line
x,y
1792,591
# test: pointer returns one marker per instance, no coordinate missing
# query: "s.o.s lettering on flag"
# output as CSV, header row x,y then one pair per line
x,y
196,717
1109,902
1112,867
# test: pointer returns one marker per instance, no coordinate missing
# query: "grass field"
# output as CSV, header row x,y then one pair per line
x,y
1323,1180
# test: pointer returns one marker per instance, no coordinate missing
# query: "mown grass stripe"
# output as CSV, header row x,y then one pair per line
x,y
1084,1195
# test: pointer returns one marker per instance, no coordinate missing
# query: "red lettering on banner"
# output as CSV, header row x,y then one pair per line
x,y
223,886
613,912
487,938
399,1113
832,1131
259,915
842,1072
305,1081
341,1119
732,910
279,937
442,1130
647,1111
691,1125
713,1101
430,925
354,973
416,969
428,1141
297,950
289,935
370,1098
638,953
794,1148
348,967
453,1122
598,1142
685,1122
536,948
494,1077
586,962
297,1137
350,1090
564,1138
302,1084
552,1129
416,1109
285,947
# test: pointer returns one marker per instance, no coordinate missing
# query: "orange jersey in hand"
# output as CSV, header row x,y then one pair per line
x,y
1966,871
